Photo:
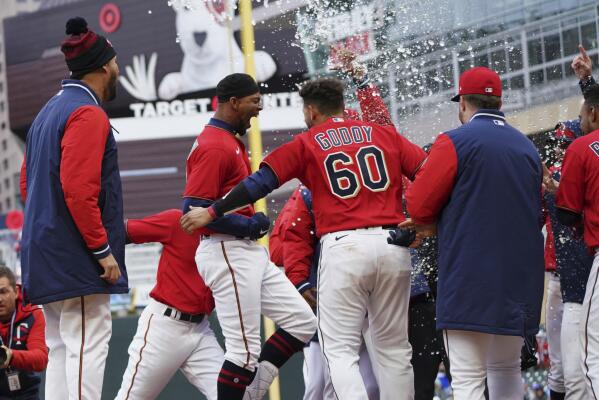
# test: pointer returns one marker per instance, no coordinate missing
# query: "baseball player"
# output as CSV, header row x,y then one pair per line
x,y
73,247
577,205
482,184
554,309
173,332
243,281
353,170
573,263
293,244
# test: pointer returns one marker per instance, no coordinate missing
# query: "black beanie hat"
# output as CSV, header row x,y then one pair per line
x,y
84,51
236,85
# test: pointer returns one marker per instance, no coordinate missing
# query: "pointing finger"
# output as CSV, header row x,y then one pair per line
x,y
583,52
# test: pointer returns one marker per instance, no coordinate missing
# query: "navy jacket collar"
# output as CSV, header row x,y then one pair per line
x,y
75,83
223,125
484,113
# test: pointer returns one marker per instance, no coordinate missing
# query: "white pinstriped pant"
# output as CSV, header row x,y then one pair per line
x,y
245,284
360,274
161,346
589,331
77,334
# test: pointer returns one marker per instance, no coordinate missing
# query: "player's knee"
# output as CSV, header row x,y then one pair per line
x,y
307,328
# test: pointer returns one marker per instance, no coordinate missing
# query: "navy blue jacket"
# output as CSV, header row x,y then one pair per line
x,y
482,185
56,262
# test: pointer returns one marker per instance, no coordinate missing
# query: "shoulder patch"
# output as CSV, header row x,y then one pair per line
x,y
595,147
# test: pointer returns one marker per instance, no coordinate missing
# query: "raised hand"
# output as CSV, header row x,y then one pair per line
x,y
582,64
345,60
140,80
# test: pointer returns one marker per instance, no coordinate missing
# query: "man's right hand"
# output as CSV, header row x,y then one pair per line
x,y
346,62
582,64
310,296
112,273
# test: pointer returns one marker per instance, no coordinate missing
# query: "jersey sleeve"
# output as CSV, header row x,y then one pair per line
x,y
411,157
157,228
82,152
434,182
373,107
298,243
287,161
35,358
206,171
275,238
570,194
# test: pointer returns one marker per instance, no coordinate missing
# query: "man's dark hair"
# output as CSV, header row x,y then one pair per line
x,y
483,101
326,94
7,273
591,95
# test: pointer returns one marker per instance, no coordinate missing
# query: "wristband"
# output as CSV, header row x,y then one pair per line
x,y
213,213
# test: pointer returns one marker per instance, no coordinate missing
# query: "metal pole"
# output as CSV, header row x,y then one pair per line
x,y
255,142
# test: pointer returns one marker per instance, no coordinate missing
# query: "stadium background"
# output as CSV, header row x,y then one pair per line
x,y
415,51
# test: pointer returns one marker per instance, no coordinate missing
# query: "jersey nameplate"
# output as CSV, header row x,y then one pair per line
x,y
336,137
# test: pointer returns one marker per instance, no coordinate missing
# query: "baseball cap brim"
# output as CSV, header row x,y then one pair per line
x,y
456,98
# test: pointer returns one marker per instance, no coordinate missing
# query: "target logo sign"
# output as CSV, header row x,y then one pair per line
x,y
110,17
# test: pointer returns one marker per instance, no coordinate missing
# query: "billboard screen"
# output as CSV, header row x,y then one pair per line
x,y
170,55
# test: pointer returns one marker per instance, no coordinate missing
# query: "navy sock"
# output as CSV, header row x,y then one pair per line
x,y
280,347
232,381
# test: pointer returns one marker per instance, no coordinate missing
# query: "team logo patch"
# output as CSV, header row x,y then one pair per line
x,y
489,90
498,122
595,147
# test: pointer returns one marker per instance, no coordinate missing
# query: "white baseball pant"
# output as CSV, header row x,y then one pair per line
x,y
245,284
554,310
77,334
360,274
474,356
589,331
316,377
576,388
163,345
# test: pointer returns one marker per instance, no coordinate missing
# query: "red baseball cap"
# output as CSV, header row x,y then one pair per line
x,y
479,80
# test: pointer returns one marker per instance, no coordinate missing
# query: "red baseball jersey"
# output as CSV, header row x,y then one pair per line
x,y
579,184
292,240
178,283
353,170
217,162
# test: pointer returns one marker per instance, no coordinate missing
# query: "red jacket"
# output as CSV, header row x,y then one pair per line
x,y
292,239
29,350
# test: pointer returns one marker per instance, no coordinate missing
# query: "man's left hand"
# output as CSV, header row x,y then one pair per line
x,y
422,231
196,217
8,357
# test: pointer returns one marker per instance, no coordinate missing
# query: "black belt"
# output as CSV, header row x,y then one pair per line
x,y
390,226
176,314
204,237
